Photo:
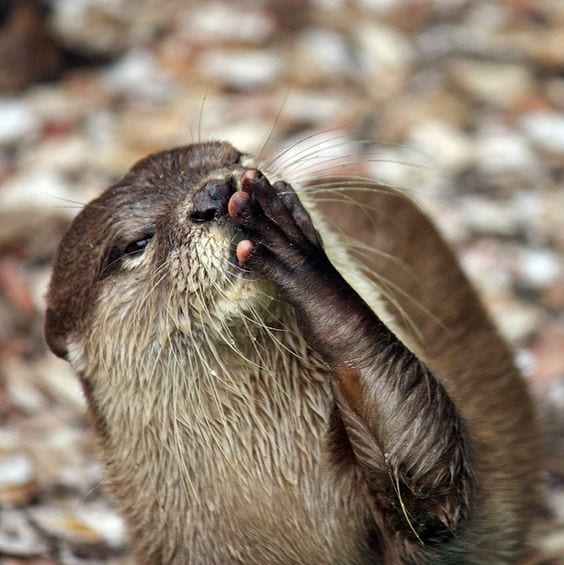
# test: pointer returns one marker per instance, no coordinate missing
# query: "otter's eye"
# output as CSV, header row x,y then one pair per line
x,y
137,247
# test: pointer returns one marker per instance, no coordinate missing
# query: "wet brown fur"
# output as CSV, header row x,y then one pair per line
x,y
458,342
227,439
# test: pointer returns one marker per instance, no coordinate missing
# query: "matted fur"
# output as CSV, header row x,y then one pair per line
x,y
216,420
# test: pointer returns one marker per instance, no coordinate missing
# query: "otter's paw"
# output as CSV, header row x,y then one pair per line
x,y
282,240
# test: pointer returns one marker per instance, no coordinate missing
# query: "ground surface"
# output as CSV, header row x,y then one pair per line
x,y
459,102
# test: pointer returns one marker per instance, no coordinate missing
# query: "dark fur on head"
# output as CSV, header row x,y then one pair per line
x,y
124,213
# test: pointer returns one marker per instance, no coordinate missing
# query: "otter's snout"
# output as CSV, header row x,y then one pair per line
x,y
210,203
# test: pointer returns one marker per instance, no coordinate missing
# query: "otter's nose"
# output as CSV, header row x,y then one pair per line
x,y
211,201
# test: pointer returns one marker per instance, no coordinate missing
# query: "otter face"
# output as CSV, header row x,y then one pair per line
x,y
154,253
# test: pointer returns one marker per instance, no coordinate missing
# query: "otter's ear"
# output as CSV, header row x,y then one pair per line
x,y
55,334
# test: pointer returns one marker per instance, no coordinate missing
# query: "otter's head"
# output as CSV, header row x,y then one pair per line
x,y
153,254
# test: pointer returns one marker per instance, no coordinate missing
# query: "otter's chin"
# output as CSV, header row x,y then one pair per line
x,y
246,295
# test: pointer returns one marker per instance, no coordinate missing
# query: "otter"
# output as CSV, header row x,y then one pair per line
x,y
262,392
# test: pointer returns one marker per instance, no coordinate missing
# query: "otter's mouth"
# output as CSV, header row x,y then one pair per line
x,y
214,204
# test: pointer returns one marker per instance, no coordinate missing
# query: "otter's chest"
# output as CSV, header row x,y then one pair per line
x,y
236,462
258,481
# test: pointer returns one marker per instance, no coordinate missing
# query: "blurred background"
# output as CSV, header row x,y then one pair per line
x,y
459,102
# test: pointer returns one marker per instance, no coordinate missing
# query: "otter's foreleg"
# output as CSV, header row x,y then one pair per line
x,y
405,431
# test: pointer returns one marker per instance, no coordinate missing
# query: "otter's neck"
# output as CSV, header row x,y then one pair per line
x,y
233,424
